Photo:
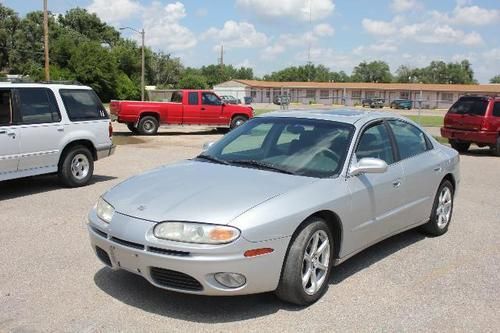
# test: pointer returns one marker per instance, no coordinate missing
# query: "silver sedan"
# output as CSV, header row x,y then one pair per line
x,y
277,203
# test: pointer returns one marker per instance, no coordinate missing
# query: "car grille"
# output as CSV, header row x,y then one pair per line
x,y
168,252
173,279
127,243
103,256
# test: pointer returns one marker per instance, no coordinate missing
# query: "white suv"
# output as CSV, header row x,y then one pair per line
x,y
48,128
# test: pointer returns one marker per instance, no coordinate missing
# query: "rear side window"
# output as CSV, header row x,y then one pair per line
x,y
5,107
37,106
176,97
496,109
83,105
410,140
473,106
193,98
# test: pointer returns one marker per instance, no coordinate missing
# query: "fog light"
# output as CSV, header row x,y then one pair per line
x,y
230,280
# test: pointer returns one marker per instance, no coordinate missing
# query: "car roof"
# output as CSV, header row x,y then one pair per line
x,y
343,115
42,85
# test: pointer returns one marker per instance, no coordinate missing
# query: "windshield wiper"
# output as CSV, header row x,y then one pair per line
x,y
212,159
261,165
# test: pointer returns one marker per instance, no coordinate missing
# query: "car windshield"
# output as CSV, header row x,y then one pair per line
x,y
306,147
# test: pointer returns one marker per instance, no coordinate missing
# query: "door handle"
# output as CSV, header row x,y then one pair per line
x,y
60,129
202,109
437,169
11,134
3,132
396,183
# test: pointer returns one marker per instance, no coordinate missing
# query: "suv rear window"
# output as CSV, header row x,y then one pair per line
x,y
470,105
83,105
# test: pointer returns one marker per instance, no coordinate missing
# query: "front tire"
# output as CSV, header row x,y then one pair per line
x,y
442,210
307,267
238,121
76,167
495,149
461,147
148,125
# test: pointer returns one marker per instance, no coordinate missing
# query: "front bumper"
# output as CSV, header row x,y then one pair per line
x,y
105,152
469,136
130,245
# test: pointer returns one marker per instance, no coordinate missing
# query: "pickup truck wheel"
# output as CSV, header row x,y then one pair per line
x,y
132,128
76,167
461,147
238,121
495,149
148,125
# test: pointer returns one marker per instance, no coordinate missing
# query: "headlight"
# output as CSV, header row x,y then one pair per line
x,y
200,233
104,210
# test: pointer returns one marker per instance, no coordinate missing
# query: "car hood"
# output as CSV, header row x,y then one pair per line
x,y
198,191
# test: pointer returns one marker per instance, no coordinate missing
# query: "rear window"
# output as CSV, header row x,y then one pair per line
x,y
496,109
83,105
473,106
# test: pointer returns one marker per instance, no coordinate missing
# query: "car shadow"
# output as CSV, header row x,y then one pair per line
x,y
21,187
473,151
135,291
172,133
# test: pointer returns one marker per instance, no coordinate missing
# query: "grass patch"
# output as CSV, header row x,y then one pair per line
x,y
427,121
440,139
261,111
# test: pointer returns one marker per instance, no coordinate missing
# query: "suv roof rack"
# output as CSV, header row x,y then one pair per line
x,y
26,80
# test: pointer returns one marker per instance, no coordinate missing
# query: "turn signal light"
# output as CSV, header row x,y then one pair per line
x,y
258,252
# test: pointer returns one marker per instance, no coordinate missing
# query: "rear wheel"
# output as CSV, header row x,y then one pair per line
x,y
495,149
238,121
308,264
148,125
461,147
76,167
442,210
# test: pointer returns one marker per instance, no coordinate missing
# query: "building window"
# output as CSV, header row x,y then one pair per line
x,y
371,94
447,97
324,94
356,94
253,93
268,93
310,93
404,95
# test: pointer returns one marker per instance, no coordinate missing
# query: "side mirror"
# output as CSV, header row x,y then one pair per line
x,y
368,165
207,146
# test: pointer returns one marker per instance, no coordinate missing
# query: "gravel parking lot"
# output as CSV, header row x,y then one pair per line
x,y
51,281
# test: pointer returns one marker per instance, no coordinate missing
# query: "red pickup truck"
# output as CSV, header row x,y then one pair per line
x,y
186,107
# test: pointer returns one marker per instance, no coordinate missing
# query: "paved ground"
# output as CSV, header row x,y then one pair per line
x,y
51,281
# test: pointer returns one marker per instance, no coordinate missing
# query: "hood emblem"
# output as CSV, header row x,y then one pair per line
x,y
141,208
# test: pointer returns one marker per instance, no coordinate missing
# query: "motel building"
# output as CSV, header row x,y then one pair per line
x,y
429,96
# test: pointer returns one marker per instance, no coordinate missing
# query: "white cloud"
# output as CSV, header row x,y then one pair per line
x,y
163,29
405,5
468,15
323,29
296,9
114,11
379,28
386,46
272,51
237,35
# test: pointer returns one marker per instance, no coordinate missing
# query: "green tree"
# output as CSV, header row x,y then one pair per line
x,y
375,71
193,81
495,79
9,23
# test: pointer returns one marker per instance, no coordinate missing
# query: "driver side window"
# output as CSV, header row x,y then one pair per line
x,y
375,142
210,99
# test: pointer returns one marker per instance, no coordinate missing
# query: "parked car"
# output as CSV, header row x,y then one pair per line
x,y
277,203
473,119
373,102
401,104
52,128
230,99
186,107
248,100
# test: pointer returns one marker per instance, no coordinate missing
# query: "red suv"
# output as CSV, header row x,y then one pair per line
x,y
473,119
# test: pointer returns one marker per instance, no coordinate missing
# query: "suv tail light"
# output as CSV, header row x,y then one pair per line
x,y
110,130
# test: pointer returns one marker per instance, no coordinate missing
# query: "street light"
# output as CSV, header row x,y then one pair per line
x,y
142,56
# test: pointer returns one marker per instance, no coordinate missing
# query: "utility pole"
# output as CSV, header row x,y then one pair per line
x,y
46,39
309,42
142,66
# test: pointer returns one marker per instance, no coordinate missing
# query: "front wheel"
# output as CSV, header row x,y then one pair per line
x,y
307,266
461,147
442,210
238,121
76,167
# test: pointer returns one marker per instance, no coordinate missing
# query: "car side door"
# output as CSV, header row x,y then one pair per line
x,y
422,168
191,104
40,128
376,197
9,140
211,109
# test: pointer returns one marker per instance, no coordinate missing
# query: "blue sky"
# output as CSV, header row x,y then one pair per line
x,y
269,35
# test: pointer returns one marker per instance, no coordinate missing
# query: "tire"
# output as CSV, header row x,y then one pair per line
x,y
495,149
148,125
461,147
297,267
237,121
132,128
442,210
76,167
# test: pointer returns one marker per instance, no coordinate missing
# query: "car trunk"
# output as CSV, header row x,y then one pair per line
x,y
467,114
